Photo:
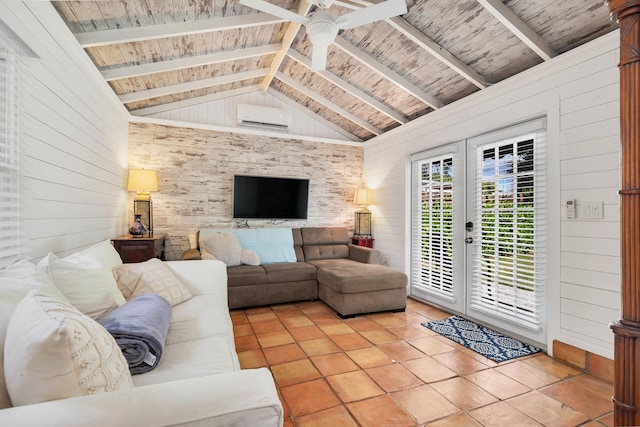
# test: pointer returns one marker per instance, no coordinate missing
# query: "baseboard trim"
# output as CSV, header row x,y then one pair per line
x,y
593,364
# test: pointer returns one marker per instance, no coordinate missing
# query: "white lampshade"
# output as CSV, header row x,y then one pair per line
x,y
363,197
142,181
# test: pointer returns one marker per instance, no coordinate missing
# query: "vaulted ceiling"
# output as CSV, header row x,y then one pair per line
x,y
161,55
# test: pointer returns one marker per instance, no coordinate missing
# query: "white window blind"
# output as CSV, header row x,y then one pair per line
x,y
9,179
509,268
433,219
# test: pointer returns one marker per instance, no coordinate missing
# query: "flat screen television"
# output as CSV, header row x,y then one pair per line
x,y
261,197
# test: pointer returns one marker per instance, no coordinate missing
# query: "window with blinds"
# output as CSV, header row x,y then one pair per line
x,y
433,219
9,182
509,265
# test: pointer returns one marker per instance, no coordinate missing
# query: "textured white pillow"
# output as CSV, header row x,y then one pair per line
x,y
151,276
52,351
86,281
16,280
226,248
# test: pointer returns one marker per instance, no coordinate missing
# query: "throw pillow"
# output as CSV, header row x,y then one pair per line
x,y
226,248
53,351
86,281
16,280
151,276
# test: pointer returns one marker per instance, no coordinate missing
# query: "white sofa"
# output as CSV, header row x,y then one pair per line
x,y
198,381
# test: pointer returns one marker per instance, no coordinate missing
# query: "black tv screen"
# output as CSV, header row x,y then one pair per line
x,y
260,197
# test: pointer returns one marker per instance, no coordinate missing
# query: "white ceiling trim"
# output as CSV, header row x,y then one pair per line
x,y
192,61
517,26
194,101
349,88
150,32
287,41
327,103
191,85
396,79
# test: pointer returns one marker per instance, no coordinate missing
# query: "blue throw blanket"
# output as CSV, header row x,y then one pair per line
x,y
140,328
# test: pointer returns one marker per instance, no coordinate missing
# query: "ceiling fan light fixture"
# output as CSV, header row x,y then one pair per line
x,y
322,30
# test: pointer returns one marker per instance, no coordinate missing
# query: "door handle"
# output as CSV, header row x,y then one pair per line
x,y
468,240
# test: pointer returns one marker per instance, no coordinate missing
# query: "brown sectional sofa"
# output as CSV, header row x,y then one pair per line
x,y
348,278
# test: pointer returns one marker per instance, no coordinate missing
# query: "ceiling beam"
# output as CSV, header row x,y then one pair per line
x,y
349,88
385,72
518,27
150,32
147,111
327,103
426,43
188,62
192,85
287,41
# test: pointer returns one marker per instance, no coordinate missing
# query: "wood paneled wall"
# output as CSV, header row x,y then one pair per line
x,y
196,167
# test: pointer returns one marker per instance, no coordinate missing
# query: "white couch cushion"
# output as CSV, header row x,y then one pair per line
x,y
150,276
16,280
197,318
52,351
205,356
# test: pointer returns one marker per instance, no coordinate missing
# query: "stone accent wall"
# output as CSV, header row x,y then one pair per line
x,y
196,167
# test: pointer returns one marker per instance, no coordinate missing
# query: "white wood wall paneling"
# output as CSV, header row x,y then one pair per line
x,y
585,330
593,279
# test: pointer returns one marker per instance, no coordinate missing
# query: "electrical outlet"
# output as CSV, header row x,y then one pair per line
x,y
593,210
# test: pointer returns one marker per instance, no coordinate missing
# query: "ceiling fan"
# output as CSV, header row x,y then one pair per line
x,y
323,27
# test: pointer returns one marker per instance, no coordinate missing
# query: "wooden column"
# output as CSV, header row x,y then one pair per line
x,y
626,397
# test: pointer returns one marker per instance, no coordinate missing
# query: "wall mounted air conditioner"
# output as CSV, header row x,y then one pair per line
x,y
263,117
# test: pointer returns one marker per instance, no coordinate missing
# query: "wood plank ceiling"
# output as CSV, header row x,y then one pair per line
x,y
160,55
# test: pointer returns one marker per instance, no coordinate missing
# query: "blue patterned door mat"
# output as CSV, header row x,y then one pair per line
x,y
491,344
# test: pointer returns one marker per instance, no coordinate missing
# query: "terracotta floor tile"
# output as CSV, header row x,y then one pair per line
x,y
242,330
393,377
501,414
285,311
380,411
586,401
251,359
283,353
607,420
369,357
552,366
458,420
499,385
401,351
312,307
261,316
323,318
319,347
386,319
430,345
428,369
307,333
273,339
424,403
459,362
351,341
308,397
481,358
432,313
294,372
336,329
268,326
238,317
411,318
603,388
411,332
248,342
464,394
334,417
332,364
547,411
362,324
354,386
297,322
380,336
527,374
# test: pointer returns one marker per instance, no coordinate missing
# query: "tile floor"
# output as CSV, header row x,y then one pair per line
x,y
386,369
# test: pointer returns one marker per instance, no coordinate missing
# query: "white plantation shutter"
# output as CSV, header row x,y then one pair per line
x,y
9,181
509,267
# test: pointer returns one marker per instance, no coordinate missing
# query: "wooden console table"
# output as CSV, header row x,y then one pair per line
x,y
139,249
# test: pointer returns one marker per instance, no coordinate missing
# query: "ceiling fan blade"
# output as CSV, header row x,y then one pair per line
x,y
319,57
369,14
274,10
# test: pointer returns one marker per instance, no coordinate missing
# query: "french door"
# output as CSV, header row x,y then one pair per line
x,y
478,228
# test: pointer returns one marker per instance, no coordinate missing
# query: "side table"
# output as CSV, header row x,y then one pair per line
x,y
139,249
